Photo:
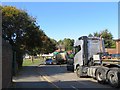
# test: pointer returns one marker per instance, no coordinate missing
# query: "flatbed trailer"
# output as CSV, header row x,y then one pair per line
x,y
110,61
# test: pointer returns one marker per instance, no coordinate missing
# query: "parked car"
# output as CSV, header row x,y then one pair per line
x,y
48,61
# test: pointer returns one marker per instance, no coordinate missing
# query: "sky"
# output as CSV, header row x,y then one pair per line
x,y
61,20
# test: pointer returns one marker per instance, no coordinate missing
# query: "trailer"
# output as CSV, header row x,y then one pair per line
x,y
88,62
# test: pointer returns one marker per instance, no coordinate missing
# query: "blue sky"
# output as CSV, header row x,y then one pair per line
x,y
61,20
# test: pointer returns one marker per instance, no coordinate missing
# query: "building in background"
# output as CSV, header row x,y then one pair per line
x,y
114,50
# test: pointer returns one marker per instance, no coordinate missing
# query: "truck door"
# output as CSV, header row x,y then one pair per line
x,y
78,57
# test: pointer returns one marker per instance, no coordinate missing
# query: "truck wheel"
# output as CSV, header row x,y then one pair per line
x,y
113,78
78,71
100,75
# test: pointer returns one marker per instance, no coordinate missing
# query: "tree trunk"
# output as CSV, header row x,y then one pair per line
x,y
32,59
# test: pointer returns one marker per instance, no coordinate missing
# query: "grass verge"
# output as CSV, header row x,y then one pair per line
x,y
28,62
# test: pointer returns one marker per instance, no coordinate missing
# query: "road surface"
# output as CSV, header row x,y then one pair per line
x,y
53,76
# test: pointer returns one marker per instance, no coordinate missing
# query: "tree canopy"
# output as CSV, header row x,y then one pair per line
x,y
108,38
23,33
67,43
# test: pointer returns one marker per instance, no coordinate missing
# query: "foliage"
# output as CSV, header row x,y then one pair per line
x,y
23,33
67,43
90,35
49,45
108,38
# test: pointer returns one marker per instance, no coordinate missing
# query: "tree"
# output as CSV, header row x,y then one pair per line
x,y
21,31
96,34
90,35
60,42
52,45
108,38
67,43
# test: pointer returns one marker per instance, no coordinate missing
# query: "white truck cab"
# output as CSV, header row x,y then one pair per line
x,y
88,62
85,47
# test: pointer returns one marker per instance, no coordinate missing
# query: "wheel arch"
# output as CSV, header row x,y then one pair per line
x,y
77,66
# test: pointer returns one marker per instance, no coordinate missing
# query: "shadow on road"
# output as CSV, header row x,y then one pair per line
x,y
41,84
63,85
30,77
53,69
50,70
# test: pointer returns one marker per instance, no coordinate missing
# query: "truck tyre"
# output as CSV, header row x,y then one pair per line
x,y
113,78
100,75
78,71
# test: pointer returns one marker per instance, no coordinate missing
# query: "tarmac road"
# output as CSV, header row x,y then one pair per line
x,y
55,77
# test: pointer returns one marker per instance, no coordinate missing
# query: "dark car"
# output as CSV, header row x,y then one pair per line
x,y
48,61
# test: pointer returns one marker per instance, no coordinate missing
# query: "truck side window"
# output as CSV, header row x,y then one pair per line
x,y
77,49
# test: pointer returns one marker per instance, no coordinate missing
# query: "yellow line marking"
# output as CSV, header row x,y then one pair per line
x,y
74,87
45,78
41,78
50,82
